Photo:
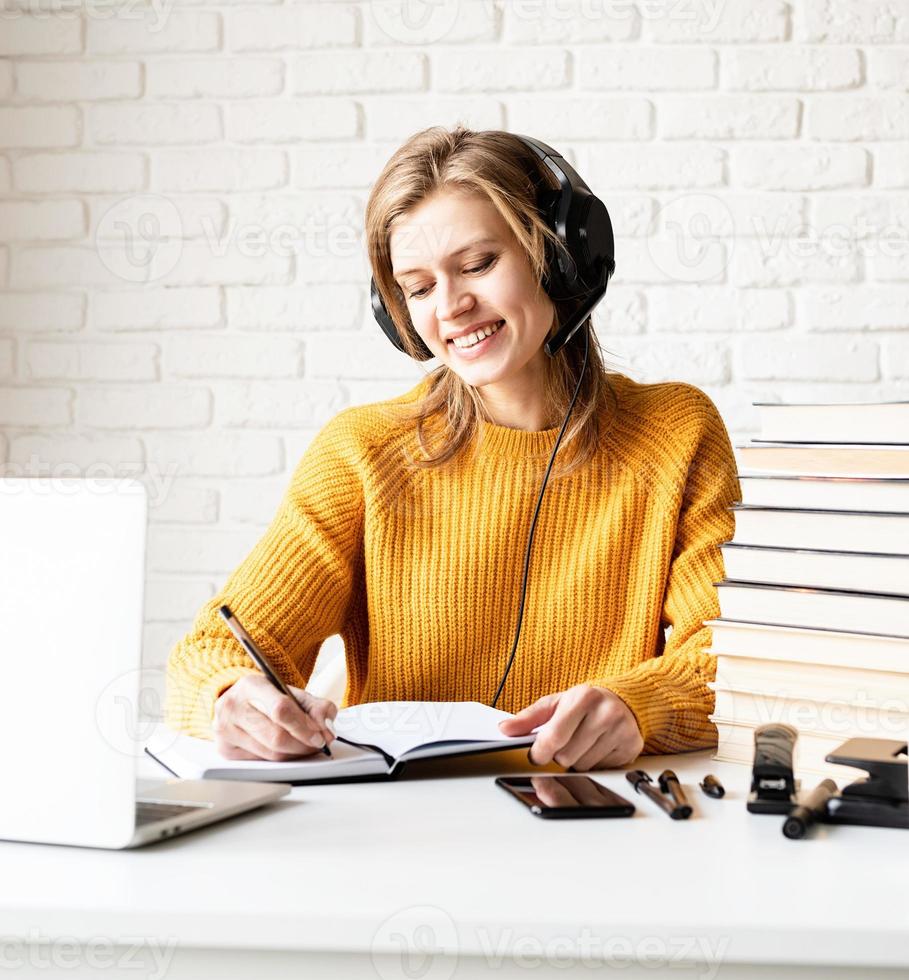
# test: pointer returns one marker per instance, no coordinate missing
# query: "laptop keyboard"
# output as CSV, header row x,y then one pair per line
x,y
148,812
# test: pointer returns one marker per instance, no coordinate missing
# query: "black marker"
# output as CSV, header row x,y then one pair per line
x,y
261,661
669,783
803,816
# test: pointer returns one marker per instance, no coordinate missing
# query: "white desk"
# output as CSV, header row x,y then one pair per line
x,y
339,880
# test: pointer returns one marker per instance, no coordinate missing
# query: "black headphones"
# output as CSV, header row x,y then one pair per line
x,y
579,268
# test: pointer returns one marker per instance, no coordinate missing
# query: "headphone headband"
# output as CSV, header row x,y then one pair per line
x,y
579,267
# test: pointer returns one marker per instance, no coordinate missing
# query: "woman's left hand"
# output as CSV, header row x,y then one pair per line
x,y
585,727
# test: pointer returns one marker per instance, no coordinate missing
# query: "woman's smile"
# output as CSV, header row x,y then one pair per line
x,y
469,351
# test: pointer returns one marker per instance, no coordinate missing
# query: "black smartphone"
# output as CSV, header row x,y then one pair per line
x,y
554,796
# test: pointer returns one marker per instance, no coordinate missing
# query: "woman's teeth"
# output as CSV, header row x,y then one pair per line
x,y
477,335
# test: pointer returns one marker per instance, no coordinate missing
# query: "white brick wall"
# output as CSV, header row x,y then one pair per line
x,y
85,81
754,157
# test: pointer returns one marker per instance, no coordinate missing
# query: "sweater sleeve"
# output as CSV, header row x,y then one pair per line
x,y
668,692
291,592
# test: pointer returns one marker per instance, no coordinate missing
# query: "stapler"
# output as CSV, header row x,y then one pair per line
x,y
774,788
880,799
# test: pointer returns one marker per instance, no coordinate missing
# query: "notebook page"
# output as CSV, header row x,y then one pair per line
x,y
397,727
198,758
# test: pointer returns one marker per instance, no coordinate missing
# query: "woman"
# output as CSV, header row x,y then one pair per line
x,y
405,522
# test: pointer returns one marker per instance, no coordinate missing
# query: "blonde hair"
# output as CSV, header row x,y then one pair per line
x,y
500,167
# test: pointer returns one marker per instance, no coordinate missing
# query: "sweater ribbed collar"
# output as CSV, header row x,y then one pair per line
x,y
500,440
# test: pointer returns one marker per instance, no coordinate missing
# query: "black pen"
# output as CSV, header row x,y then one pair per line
x,y
642,784
261,661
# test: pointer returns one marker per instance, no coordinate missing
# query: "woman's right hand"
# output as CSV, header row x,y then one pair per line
x,y
254,720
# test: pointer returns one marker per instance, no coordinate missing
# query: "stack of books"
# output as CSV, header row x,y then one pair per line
x,y
814,608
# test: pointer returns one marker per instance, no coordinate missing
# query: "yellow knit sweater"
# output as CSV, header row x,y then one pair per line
x,y
421,573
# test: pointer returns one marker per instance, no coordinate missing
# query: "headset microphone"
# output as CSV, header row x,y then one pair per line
x,y
578,268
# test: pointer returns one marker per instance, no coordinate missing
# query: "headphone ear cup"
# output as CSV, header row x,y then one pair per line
x,y
382,316
388,325
559,281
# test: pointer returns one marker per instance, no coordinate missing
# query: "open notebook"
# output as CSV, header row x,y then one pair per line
x,y
374,741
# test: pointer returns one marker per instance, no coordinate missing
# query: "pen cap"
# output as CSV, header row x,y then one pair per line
x,y
712,786
667,779
636,777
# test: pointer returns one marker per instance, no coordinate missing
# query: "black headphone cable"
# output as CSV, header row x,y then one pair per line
x,y
536,512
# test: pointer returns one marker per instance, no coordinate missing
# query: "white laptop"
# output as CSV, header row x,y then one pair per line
x,y
72,576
